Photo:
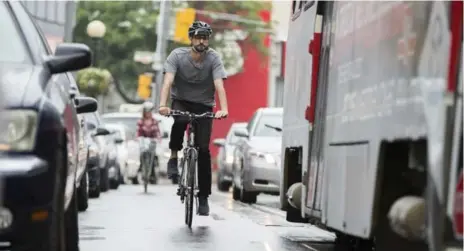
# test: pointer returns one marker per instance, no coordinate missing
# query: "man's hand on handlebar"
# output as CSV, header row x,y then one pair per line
x,y
164,110
221,114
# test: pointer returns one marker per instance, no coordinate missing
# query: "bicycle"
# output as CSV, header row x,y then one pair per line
x,y
188,185
147,152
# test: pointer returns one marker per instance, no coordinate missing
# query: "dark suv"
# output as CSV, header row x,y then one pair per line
x,y
38,150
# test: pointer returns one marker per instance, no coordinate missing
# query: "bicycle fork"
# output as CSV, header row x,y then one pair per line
x,y
181,188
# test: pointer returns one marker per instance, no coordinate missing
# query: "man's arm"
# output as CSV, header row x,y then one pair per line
x,y
170,69
219,74
168,80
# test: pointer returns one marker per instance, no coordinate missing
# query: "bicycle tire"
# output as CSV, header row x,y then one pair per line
x,y
145,171
190,189
180,181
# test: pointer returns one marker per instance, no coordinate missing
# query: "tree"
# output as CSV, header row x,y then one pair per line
x,y
251,23
249,10
130,26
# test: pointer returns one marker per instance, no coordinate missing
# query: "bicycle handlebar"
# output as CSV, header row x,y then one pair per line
x,y
206,115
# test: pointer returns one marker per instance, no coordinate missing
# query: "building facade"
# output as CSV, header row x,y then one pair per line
x,y
55,18
280,16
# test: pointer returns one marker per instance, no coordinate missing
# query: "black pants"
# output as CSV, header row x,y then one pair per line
x,y
202,132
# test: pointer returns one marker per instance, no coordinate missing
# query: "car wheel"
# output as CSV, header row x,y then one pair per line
x,y
104,180
247,196
175,179
83,193
235,193
222,185
94,192
114,183
72,226
55,240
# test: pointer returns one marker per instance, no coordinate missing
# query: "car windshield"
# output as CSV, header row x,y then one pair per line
x,y
13,49
129,122
231,138
91,121
274,120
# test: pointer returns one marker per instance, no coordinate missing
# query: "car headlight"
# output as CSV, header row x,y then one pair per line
x,y
93,151
20,130
112,154
264,156
229,159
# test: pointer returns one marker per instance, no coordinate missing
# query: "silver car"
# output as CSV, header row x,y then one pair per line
x,y
130,120
225,157
257,164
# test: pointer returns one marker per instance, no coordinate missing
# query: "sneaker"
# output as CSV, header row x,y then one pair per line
x,y
172,168
203,207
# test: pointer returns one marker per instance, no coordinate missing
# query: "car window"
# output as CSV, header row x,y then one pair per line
x,y
269,119
12,46
32,30
129,122
231,138
91,121
251,122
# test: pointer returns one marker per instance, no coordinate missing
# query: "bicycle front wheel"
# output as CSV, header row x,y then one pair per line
x,y
146,172
190,190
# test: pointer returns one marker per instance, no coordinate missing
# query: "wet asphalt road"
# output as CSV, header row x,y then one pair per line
x,y
127,219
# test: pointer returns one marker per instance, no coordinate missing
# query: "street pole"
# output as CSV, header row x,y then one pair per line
x,y
161,47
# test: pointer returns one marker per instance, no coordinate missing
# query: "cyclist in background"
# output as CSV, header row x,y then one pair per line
x,y
148,127
192,75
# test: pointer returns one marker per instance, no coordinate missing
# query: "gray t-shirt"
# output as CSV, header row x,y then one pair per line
x,y
194,81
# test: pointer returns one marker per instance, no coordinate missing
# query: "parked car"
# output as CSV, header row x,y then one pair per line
x,y
125,142
257,156
129,119
40,146
114,169
98,180
225,157
82,150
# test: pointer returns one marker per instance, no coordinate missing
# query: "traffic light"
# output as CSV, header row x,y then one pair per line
x,y
184,18
144,87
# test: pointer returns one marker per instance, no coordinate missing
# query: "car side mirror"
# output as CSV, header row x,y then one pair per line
x,y
118,140
69,57
219,142
241,133
165,135
101,132
85,104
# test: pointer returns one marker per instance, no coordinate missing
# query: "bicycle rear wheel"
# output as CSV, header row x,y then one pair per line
x,y
190,190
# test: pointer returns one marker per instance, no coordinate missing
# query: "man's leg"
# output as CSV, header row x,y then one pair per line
x,y
202,139
176,138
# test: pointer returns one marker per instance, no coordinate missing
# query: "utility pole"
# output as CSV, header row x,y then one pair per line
x,y
163,36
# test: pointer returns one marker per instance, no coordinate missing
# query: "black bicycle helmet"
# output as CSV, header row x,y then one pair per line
x,y
200,28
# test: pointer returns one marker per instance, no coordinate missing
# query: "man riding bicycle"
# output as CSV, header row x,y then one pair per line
x,y
192,75
148,127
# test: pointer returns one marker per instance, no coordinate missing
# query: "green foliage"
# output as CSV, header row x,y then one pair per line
x,y
94,81
248,10
131,26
